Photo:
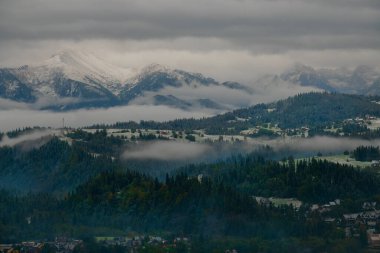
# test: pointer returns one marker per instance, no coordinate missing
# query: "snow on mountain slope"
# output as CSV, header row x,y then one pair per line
x,y
84,80
361,80
71,79
174,77
12,88
157,80
78,66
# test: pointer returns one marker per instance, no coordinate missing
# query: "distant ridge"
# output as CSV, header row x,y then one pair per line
x,y
90,82
75,79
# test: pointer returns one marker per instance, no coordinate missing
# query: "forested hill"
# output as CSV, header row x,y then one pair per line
x,y
116,203
310,109
54,167
58,167
211,207
312,180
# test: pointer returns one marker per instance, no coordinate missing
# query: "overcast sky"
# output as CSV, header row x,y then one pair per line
x,y
227,39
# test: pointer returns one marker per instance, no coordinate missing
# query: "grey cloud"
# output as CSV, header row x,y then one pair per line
x,y
200,152
235,40
19,118
232,99
269,89
30,140
167,150
264,90
316,144
328,144
269,25
6,104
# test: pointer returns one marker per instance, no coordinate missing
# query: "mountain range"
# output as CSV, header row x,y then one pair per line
x,y
72,80
362,80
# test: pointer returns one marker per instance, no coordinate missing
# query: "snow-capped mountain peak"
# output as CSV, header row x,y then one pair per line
x,y
81,66
78,66
76,79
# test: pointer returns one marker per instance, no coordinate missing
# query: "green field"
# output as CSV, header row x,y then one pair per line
x,y
345,159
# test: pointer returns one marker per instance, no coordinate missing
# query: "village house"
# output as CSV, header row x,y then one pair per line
x,y
375,164
374,240
369,205
351,218
5,247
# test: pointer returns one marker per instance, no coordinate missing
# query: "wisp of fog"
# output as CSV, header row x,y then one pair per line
x,y
30,140
167,150
201,152
19,118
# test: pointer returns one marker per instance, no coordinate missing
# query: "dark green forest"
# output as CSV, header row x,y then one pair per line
x,y
366,154
312,180
114,203
216,210
53,167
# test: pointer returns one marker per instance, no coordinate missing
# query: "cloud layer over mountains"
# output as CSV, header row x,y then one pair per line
x,y
226,39
237,40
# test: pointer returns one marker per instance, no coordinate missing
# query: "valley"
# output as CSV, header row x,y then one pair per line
x,y
239,179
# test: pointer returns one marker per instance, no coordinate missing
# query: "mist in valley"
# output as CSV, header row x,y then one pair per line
x,y
160,157
19,118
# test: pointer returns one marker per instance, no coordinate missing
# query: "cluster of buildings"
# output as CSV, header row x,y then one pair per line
x,y
375,164
60,245
327,207
135,242
67,245
122,241
367,220
360,120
